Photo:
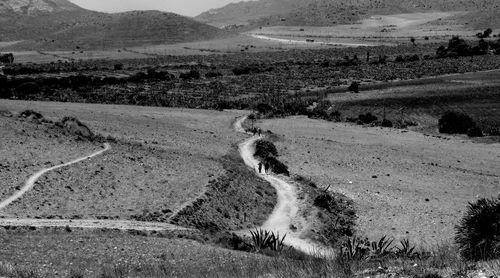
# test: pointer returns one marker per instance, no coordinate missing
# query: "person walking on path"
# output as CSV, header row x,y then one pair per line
x,y
260,167
259,131
266,167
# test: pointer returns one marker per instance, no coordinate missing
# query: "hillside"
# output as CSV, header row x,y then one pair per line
x,y
35,7
58,24
331,12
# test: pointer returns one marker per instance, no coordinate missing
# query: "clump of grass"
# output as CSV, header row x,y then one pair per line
x,y
478,234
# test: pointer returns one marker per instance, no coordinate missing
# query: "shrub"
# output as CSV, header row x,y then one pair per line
x,y
277,166
455,123
386,123
367,118
478,234
32,114
265,149
118,67
212,74
232,241
27,89
354,87
192,74
475,132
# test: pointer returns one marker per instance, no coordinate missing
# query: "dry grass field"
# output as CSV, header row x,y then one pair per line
x,y
161,160
405,184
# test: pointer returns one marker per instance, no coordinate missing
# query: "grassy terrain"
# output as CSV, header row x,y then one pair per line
x,y
404,184
59,253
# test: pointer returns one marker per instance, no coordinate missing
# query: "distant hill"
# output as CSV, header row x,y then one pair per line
x,y
59,24
331,12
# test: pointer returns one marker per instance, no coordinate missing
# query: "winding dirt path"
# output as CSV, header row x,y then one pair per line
x,y
287,206
32,180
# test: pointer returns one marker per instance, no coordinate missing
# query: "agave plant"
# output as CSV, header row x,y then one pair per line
x,y
354,249
263,239
381,248
406,249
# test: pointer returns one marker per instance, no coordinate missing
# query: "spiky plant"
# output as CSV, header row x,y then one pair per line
x,y
354,248
478,234
406,249
382,248
262,239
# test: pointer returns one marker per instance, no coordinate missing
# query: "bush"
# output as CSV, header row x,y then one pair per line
x,y
455,123
265,149
32,114
277,166
26,89
367,118
354,87
478,234
386,123
192,74
118,67
212,74
475,132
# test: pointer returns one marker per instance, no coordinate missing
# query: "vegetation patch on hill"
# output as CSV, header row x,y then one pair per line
x,y
238,200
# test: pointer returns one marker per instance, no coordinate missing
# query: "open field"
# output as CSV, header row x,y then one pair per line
x,y
160,160
377,30
405,184
234,44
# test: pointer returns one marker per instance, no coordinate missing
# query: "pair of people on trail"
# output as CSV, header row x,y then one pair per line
x,y
257,131
266,167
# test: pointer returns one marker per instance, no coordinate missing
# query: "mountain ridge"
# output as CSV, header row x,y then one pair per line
x,y
331,12
62,25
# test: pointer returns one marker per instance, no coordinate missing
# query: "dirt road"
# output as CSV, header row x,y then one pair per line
x,y
32,180
287,206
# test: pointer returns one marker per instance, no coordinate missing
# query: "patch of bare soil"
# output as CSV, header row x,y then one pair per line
x,y
404,184
29,145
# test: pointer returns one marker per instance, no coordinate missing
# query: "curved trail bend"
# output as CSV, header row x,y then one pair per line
x,y
287,206
31,181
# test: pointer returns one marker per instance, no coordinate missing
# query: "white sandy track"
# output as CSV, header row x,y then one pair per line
x,y
32,180
287,206
290,41
91,224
